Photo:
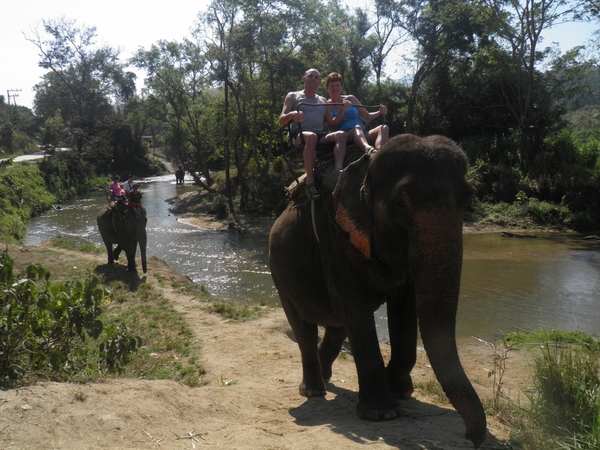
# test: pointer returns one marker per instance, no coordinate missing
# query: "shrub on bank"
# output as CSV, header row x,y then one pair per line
x,y
44,327
22,194
564,411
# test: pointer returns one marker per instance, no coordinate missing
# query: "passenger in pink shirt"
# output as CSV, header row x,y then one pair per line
x,y
115,189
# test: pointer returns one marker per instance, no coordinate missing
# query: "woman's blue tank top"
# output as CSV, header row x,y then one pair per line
x,y
350,119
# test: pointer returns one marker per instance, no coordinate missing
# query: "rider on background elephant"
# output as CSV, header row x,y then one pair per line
x,y
126,227
389,230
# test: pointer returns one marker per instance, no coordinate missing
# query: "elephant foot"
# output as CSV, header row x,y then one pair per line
x,y
316,391
402,387
376,411
327,372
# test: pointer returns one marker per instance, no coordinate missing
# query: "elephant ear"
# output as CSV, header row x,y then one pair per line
x,y
353,213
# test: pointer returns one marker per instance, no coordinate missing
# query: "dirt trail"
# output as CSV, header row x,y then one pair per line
x,y
258,408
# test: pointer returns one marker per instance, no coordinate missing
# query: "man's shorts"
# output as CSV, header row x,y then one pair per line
x,y
294,135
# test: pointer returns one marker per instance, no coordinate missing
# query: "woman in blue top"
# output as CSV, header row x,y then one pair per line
x,y
348,117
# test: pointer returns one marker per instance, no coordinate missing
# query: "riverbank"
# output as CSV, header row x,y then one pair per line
x,y
248,397
195,208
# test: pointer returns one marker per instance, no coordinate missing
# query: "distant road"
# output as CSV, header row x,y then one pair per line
x,y
37,155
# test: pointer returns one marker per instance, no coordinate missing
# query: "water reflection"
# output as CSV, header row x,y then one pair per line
x,y
543,283
507,283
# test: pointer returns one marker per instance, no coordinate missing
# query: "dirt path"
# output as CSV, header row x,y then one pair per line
x,y
258,407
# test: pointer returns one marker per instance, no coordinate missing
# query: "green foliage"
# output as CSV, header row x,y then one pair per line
x,y
564,407
44,327
67,174
235,311
523,210
590,157
169,353
118,347
22,195
566,402
554,337
496,182
76,244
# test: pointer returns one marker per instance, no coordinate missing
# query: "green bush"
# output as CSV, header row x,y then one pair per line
x,y
44,327
22,194
566,402
590,157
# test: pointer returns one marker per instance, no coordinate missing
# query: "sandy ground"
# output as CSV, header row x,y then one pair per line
x,y
258,408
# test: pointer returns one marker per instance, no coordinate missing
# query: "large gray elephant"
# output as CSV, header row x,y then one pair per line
x,y
387,229
119,224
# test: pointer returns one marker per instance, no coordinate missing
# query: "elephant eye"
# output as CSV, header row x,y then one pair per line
x,y
402,200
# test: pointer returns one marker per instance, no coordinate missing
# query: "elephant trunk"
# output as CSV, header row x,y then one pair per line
x,y
142,242
436,257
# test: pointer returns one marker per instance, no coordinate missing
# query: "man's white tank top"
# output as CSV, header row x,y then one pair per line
x,y
313,117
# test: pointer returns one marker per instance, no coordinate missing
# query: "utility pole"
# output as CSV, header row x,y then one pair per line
x,y
14,96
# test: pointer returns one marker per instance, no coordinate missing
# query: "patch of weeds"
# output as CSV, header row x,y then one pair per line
x,y
80,396
76,244
160,279
499,358
147,293
564,411
168,352
433,388
119,292
537,338
189,288
235,311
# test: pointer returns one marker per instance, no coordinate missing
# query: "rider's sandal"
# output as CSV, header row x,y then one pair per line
x,y
369,150
312,191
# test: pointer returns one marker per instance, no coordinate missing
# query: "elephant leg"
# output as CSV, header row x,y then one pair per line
x,y
130,253
402,326
375,399
117,251
307,337
329,349
109,252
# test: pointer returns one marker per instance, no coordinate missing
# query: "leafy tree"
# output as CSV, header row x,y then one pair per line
x,y
389,34
519,26
81,78
53,130
440,30
177,86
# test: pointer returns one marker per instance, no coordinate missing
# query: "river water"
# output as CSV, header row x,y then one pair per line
x,y
539,283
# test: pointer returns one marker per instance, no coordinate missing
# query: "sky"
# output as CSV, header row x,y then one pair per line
x,y
129,25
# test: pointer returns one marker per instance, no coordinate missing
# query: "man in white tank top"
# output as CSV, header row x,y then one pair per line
x,y
312,120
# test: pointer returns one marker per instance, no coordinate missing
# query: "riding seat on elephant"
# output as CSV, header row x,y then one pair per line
x,y
387,229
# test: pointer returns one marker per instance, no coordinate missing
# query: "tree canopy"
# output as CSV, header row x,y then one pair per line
x,y
476,71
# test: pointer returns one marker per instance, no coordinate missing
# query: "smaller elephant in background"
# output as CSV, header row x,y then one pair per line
x,y
179,174
119,224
